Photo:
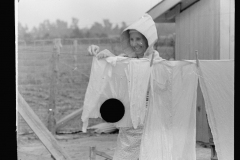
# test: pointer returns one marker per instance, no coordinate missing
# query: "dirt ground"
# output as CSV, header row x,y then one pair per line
x,y
77,146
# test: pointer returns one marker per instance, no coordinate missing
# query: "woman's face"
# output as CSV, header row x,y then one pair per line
x,y
138,43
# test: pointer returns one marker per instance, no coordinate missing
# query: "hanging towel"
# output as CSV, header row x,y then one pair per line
x,y
217,84
170,127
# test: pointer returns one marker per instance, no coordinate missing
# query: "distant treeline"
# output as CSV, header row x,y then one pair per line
x,y
60,29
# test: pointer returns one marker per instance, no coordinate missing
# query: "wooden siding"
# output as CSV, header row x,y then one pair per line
x,y
232,28
198,28
162,7
227,11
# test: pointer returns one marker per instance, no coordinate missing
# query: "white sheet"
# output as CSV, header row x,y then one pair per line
x,y
217,84
170,128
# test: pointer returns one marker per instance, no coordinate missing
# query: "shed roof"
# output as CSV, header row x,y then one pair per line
x,y
166,10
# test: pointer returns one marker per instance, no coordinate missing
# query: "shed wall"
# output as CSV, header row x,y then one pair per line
x,y
198,28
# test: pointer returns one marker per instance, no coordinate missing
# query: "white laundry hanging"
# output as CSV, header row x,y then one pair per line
x,y
170,127
95,86
217,84
106,81
121,78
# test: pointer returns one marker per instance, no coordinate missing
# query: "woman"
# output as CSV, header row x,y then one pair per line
x,y
137,42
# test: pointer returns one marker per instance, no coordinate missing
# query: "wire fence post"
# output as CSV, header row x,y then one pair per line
x,y
25,45
98,41
92,153
52,96
75,46
42,45
112,46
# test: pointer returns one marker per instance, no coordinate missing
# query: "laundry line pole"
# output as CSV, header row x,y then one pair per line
x,y
52,97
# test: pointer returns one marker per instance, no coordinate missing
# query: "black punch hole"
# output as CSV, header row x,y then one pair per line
x,y
112,110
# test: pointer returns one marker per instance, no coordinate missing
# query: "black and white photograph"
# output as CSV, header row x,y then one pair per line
x,y
125,79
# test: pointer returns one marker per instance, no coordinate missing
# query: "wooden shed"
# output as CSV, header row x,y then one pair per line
x,y
203,25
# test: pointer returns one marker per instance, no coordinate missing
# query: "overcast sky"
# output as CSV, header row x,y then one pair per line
x,y
33,12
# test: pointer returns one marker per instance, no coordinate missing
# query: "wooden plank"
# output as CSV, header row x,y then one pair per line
x,y
178,36
214,39
187,3
40,130
232,28
224,29
192,30
162,7
69,117
173,12
169,16
102,154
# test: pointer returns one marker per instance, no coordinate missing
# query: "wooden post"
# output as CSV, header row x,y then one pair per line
x,y
54,69
98,40
24,44
42,45
40,130
112,46
92,153
75,46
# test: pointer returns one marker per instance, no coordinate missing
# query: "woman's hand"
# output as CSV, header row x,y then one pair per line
x,y
93,50
104,54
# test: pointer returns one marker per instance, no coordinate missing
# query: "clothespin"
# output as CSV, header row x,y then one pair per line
x,y
197,61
